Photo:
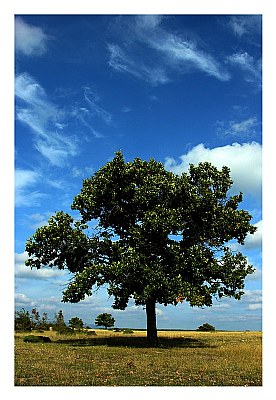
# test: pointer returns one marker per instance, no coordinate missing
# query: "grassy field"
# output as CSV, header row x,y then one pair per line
x,y
116,359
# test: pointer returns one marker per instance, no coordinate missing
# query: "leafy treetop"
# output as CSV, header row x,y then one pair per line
x,y
159,236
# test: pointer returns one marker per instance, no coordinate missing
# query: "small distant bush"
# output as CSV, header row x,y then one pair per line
x,y
76,323
117,330
206,328
22,321
64,330
36,339
127,330
90,333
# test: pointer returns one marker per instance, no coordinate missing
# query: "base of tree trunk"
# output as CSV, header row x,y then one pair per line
x,y
152,338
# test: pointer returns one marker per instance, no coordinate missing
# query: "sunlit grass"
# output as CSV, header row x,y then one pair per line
x,y
115,359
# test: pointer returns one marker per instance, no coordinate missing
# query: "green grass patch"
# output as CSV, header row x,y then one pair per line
x,y
114,359
36,339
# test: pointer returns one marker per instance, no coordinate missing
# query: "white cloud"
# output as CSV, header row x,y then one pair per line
x,y
122,62
82,172
255,241
244,128
244,161
37,220
256,306
177,55
184,55
24,180
252,68
91,99
180,54
244,25
81,115
252,242
256,276
29,40
149,21
22,300
252,296
42,116
24,272
126,109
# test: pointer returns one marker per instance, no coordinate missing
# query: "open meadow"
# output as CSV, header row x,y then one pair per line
x,y
184,358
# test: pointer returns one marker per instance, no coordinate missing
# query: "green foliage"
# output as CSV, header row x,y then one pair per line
x,y
76,323
36,339
160,238
206,328
22,321
59,324
105,320
127,331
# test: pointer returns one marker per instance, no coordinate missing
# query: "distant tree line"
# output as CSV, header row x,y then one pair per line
x,y
26,321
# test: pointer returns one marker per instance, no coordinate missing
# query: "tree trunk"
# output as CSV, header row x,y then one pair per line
x,y
151,323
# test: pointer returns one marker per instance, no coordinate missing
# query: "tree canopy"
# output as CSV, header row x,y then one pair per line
x,y
105,320
160,237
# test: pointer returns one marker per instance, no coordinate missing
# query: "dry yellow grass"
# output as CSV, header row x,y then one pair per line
x,y
116,359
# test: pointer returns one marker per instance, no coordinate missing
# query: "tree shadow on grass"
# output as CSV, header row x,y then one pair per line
x,y
164,342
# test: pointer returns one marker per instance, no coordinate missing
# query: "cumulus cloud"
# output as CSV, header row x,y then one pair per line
x,y
21,300
24,272
252,296
30,40
254,241
244,161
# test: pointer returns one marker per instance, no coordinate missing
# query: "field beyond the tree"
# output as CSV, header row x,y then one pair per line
x,y
184,358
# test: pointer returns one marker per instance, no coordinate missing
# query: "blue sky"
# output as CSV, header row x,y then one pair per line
x,y
178,88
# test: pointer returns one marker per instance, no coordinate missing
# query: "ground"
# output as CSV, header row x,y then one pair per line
x,y
184,358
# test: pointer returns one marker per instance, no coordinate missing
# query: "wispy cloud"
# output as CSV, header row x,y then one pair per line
x,y
251,68
96,110
24,181
82,172
82,114
177,55
244,25
38,219
30,40
35,110
245,128
120,61
184,56
91,114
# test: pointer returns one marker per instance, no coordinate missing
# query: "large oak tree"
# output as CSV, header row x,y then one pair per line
x,y
160,237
